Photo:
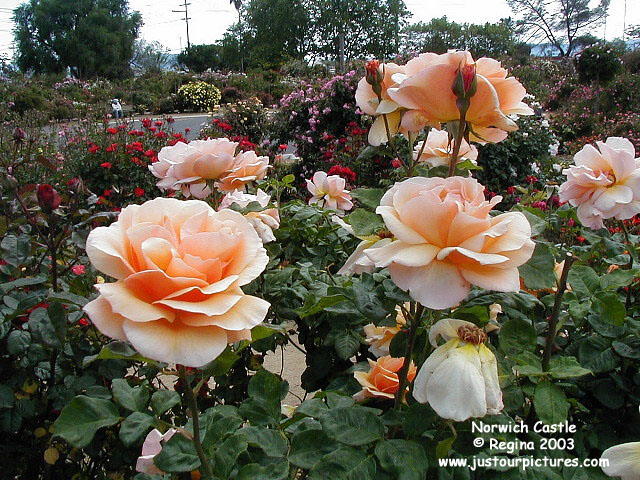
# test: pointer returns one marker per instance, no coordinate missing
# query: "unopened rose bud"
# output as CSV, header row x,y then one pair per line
x,y
374,76
19,135
48,198
466,82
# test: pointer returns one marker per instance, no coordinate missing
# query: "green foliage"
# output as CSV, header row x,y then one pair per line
x,y
441,35
199,58
600,63
92,38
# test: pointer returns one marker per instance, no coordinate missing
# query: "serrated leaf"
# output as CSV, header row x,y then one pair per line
x,y
347,344
566,367
550,403
134,427
177,455
163,400
538,272
83,417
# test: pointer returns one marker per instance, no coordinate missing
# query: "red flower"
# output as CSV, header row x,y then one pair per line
x,y
84,322
511,190
107,193
187,130
158,123
48,198
112,130
106,165
571,222
112,148
581,239
396,163
150,153
283,146
146,122
344,172
531,179
93,148
138,192
225,126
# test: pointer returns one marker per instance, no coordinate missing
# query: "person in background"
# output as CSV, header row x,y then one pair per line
x,y
116,108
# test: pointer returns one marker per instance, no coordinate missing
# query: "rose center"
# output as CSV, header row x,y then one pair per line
x,y
472,334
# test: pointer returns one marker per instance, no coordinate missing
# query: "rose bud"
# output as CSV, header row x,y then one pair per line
x,y
48,198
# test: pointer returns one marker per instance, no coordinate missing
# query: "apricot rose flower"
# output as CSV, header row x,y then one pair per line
x,y
379,337
446,241
438,150
368,101
188,167
604,182
382,378
426,91
179,267
247,167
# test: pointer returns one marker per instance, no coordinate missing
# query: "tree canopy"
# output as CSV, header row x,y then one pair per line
x,y
91,37
272,32
561,23
440,35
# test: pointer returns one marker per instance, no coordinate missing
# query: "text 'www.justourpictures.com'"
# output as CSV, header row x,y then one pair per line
x,y
522,463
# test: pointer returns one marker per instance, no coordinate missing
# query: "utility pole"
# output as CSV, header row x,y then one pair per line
x,y
186,19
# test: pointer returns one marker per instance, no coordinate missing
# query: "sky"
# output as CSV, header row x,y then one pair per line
x,y
210,18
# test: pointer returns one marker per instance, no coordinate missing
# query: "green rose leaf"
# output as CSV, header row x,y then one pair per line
x,y
177,455
550,403
352,425
83,417
404,459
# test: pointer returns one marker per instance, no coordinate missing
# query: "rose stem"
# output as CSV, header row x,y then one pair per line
x,y
411,340
193,408
553,320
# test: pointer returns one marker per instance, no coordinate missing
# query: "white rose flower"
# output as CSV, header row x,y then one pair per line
x,y
460,378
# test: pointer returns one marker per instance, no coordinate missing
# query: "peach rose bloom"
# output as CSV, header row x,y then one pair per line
x,y
379,338
188,167
426,91
368,102
438,150
446,240
151,447
264,221
247,167
179,267
382,379
328,191
604,182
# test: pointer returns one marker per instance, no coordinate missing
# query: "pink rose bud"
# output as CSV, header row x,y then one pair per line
x,y
48,198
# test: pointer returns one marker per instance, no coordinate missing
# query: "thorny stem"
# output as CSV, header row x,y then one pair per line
x,y
553,320
404,371
192,404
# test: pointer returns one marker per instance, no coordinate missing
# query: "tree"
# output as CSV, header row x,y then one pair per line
x,y
559,22
440,35
347,29
199,58
90,37
277,31
150,57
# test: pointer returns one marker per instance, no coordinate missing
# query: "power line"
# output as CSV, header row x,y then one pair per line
x,y
186,19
